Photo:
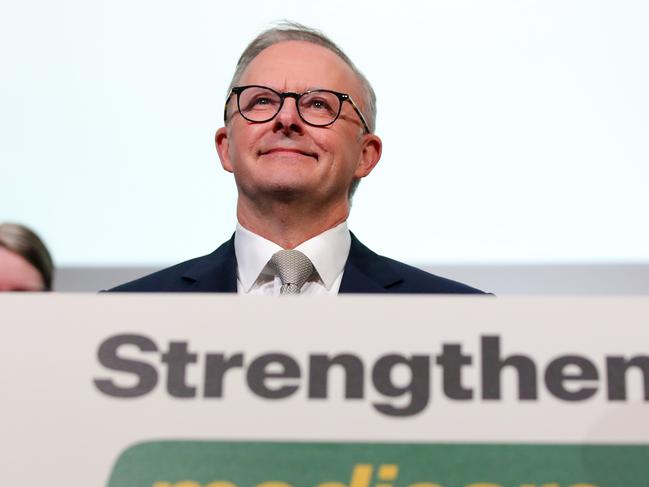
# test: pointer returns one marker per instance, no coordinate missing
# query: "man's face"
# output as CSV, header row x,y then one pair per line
x,y
287,157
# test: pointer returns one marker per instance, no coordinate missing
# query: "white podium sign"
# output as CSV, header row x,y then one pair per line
x,y
83,378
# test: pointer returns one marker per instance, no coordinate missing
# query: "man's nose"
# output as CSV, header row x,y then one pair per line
x,y
288,119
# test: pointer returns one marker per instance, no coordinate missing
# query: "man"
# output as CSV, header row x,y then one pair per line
x,y
298,137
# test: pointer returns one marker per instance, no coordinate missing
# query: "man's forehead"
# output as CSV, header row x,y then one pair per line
x,y
300,66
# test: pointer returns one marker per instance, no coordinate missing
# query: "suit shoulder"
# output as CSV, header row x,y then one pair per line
x,y
169,279
215,272
396,277
416,280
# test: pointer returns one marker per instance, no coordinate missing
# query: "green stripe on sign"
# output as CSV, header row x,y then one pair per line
x,y
276,464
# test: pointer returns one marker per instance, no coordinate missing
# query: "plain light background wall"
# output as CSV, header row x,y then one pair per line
x,y
515,131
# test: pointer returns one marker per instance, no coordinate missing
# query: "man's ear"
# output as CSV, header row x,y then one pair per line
x,y
222,148
370,155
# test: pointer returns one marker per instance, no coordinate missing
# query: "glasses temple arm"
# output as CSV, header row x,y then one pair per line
x,y
360,115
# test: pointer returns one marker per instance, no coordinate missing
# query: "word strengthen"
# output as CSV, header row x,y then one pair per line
x,y
277,375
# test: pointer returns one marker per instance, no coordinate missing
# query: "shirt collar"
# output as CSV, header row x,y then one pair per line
x,y
328,252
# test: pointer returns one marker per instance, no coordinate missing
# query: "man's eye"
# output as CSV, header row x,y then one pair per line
x,y
319,104
262,101
259,101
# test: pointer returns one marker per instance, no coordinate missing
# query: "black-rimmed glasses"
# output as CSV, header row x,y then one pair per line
x,y
319,108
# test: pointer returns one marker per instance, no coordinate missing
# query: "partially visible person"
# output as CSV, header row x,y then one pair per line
x,y
25,263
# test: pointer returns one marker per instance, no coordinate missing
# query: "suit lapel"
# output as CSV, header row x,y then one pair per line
x,y
367,272
216,272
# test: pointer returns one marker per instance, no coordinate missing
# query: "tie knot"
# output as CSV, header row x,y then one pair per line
x,y
293,269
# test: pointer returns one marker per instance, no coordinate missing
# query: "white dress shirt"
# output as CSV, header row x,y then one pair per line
x,y
328,252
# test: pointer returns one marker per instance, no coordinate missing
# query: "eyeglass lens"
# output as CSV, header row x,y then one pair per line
x,y
317,107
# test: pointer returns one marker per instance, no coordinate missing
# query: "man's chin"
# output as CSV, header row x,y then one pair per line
x,y
286,190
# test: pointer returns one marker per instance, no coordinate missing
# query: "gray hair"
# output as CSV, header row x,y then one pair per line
x,y
293,31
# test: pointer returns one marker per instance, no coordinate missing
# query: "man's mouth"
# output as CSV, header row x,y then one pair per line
x,y
291,150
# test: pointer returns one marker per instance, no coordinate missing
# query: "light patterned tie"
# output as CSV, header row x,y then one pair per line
x,y
293,269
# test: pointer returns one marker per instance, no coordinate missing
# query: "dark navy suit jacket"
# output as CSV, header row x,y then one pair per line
x,y
365,272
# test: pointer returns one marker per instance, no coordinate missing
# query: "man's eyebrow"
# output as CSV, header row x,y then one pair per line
x,y
322,88
305,90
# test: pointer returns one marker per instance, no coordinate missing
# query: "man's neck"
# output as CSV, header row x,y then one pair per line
x,y
288,225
